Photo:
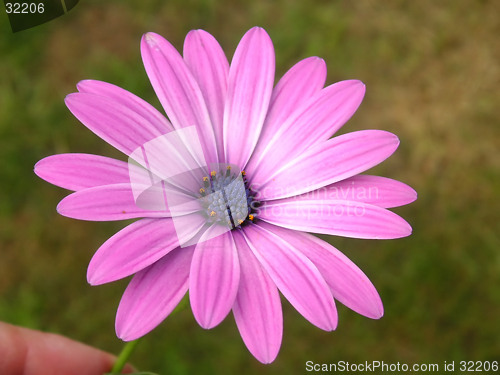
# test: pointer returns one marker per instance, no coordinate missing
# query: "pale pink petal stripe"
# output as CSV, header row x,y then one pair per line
x,y
127,99
105,203
336,217
152,294
295,276
328,162
177,90
123,127
81,171
316,120
215,274
257,308
132,249
209,65
348,283
251,79
379,191
298,84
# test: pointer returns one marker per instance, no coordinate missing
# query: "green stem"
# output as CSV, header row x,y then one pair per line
x,y
124,355
129,347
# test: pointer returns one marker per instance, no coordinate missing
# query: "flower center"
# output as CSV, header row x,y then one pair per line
x,y
227,199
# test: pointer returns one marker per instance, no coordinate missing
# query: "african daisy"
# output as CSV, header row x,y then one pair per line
x,y
227,189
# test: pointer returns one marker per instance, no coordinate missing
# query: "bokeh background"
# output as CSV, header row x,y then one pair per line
x,y
432,71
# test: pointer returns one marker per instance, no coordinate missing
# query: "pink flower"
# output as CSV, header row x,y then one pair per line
x,y
270,173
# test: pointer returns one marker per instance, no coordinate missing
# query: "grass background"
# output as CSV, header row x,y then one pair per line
x,y
432,73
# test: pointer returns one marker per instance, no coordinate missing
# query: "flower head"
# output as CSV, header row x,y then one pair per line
x,y
227,188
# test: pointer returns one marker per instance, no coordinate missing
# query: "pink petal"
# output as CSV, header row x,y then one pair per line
x,y
122,126
347,282
295,276
316,120
132,249
105,203
379,191
177,90
257,308
208,63
251,79
301,82
152,294
81,171
328,162
337,217
215,274
127,99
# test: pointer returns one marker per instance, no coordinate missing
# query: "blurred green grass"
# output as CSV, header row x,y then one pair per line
x,y
432,75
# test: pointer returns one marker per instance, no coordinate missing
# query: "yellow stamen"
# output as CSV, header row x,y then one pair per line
x,y
202,190
250,217
240,222
228,167
205,178
243,173
213,173
212,213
